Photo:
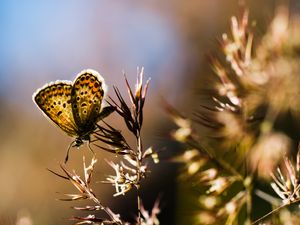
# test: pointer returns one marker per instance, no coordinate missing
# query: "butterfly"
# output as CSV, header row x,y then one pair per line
x,y
75,107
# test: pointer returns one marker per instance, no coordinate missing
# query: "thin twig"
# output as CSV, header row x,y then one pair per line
x,y
139,158
275,210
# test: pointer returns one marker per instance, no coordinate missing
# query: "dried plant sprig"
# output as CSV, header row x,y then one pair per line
x,y
191,139
232,208
150,218
286,184
90,219
124,180
212,172
130,171
133,115
256,84
261,77
230,117
238,50
231,122
113,138
86,192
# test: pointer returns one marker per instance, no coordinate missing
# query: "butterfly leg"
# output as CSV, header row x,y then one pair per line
x,y
89,146
68,150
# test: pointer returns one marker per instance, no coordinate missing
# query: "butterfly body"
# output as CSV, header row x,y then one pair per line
x,y
75,107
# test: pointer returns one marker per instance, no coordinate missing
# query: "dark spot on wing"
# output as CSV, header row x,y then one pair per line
x,y
102,92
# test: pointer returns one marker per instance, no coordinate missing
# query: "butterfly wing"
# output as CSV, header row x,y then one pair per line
x,y
87,95
55,101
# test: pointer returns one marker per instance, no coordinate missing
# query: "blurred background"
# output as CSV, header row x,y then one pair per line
x,y
45,41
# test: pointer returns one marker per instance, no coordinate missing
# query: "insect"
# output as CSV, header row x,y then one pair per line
x,y
75,107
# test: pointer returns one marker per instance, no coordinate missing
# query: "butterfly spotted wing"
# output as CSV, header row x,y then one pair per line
x,y
54,100
87,95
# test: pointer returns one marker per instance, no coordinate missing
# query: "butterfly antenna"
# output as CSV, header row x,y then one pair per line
x,y
68,150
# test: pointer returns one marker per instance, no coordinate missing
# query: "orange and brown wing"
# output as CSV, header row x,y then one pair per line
x,y
87,95
55,101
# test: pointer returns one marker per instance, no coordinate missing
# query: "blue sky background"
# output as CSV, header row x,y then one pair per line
x,y
43,41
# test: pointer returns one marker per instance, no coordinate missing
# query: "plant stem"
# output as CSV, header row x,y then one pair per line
x,y
275,210
249,201
139,158
107,210
139,205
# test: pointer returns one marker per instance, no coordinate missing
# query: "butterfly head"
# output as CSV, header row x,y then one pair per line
x,y
80,140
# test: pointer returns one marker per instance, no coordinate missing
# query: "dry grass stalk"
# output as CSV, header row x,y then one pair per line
x,y
256,84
